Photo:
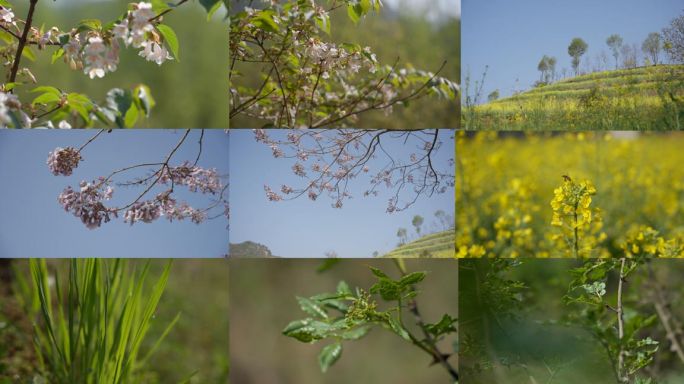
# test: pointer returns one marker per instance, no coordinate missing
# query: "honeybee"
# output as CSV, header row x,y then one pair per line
x,y
567,178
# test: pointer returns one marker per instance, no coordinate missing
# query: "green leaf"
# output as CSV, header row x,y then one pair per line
x,y
28,53
159,6
210,4
323,22
388,289
56,55
327,264
412,278
143,97
131,117
357,332
46,89
10,86
170,38
46,98
214,9
5,4
354,16
64,38
398,329
119,100
378,273
6,37
329,355
89,25
446,325
307,330
365,6
79,103
312,308
264,20
343,289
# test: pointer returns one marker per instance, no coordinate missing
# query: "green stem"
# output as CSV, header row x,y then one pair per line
x,y
576,234
429,345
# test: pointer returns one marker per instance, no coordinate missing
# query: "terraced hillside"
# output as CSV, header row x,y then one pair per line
x,y
439,244
628,99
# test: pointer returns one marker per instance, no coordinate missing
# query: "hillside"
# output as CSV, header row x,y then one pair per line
x,y
249,249
436,245
640,98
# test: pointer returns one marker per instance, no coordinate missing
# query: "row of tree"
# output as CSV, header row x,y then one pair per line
x,y
445,222
670,40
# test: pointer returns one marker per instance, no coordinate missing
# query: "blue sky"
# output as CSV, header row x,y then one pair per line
x,y
33,224
305,228
512,36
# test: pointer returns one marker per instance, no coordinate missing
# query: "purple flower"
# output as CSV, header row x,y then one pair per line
x,y
62,161
86,203
194,177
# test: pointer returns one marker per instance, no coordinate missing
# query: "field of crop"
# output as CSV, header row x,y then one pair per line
x,y
574,194
645,98
435,245
116,321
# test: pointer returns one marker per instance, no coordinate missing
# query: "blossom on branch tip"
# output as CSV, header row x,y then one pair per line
x,y
6,15
155,52
62,161
272,196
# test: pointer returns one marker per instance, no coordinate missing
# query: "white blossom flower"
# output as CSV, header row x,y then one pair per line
x,y
155,52
121,31
141,16
6,15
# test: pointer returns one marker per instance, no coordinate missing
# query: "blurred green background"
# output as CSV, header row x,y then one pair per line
x,y
531,344
402,32
190,93
198,343
263,302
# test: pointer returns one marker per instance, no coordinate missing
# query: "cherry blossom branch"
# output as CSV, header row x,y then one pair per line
x,y
327,121
340,155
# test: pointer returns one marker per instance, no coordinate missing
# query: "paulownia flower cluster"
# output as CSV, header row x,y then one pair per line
x,y
88,201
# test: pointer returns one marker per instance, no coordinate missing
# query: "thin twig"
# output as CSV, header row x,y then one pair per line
x,y
22,41
160,15
621,324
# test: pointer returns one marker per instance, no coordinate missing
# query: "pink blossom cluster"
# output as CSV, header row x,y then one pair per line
x,y
162,205
62,161
272,196
87,203
194,177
